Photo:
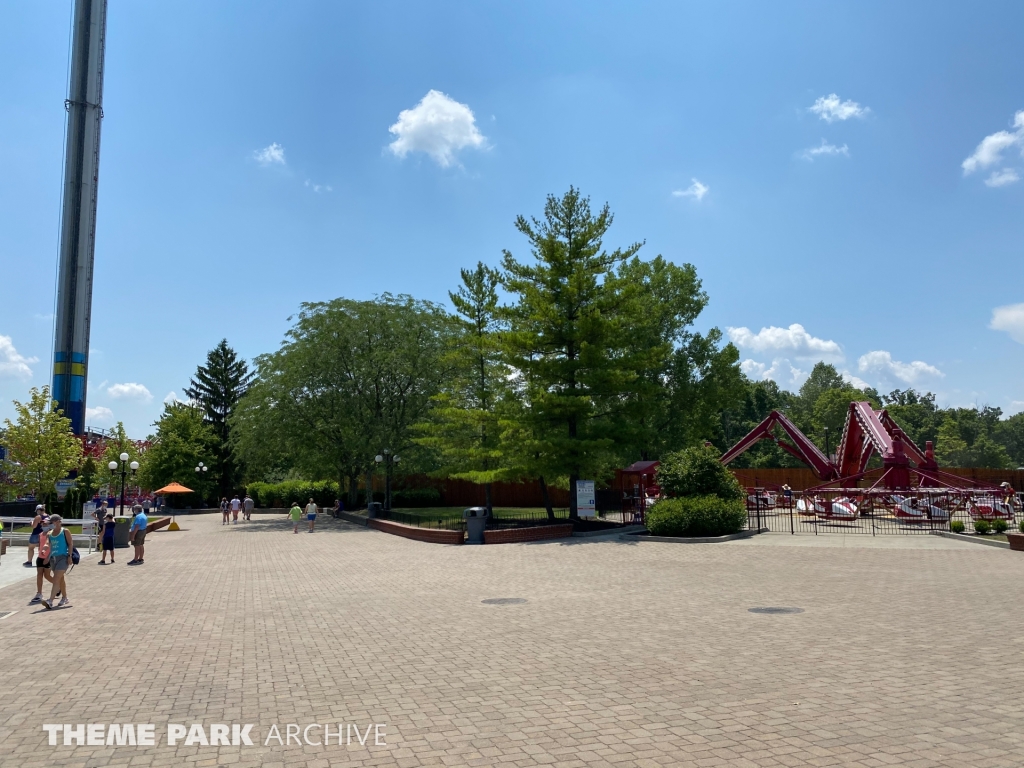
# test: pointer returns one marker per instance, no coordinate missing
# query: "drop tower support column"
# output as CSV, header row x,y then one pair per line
x,y
84,107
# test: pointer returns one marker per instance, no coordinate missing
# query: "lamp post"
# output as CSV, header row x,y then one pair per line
x,y
828,451
201,471
388,459
125,466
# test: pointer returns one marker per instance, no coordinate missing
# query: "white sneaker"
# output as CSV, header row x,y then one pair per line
x,y
64,603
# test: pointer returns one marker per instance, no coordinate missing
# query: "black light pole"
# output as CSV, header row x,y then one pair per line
x,y
201,471
388,459
828,451
134,466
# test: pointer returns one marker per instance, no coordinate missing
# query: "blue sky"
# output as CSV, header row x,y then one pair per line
x,y
843,175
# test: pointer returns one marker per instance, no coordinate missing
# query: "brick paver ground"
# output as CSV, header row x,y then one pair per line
x,y
624,654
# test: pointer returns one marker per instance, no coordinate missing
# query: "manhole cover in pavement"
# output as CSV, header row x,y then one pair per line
x,y
5,614
503,600
773,609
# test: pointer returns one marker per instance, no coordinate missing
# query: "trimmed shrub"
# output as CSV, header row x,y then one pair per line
x,y
282,494
697,472
957,526
984,527
1000,526
696,516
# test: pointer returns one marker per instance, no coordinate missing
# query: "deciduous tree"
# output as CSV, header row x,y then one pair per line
x,y
41,449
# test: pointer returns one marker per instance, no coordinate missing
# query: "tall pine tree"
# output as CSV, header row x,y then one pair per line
x,y
217,388
463,427
567,340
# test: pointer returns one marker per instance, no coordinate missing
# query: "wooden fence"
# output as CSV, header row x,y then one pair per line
x,y
462,493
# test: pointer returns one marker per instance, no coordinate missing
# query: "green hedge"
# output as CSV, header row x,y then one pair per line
x,y
324,492
696,516
282,494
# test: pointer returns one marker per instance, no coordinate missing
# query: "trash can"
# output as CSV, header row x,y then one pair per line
x,y
374,509
476,524
121,527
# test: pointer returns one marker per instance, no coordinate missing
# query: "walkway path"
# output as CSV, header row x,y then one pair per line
x,y
624,654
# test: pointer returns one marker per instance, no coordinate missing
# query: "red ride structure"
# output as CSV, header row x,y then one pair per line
x,y
866,432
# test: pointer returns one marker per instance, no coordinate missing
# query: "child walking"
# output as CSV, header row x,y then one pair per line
x,y
108,538
295,513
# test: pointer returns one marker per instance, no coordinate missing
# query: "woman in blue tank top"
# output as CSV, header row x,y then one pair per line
x,y
61,545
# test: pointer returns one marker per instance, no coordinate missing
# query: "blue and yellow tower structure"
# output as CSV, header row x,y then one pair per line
x,y
84,107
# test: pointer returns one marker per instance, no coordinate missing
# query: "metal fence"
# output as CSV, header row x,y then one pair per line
x,y
453,521
880,512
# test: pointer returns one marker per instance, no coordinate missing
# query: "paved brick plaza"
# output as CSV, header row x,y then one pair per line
x,y
625,654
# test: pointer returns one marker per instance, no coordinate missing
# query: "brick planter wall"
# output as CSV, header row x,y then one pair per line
x,y
536,533
430,535
156,525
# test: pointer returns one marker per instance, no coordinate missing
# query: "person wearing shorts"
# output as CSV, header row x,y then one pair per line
x,y
37,529
235,506
61,547
137,534
311,510
295,513
42,566
224,510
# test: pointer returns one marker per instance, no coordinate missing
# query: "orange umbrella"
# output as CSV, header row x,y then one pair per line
x,y
174,488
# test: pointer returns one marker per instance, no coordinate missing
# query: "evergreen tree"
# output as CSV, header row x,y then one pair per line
x,y
464,428
217,387
566,339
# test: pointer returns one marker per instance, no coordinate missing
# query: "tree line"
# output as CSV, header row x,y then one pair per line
x,y
560,364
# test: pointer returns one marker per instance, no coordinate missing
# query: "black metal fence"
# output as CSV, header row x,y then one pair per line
x,y
882,512
453,521
442,522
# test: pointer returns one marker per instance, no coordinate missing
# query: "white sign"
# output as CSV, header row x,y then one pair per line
x,y
586,501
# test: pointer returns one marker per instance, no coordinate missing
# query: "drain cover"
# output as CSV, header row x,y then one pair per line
x,y
503,600
772,609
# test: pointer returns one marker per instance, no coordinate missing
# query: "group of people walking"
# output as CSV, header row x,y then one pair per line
x,y
230,509
54,548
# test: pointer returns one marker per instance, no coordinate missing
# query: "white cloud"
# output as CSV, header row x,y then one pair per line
x,y
12,362
830,108
272,155
825,149
695,190
1009,318
990,150
438,126
794,341
99,417
130,391
880,363
319,187
1002,178
781,371
854,381
172,397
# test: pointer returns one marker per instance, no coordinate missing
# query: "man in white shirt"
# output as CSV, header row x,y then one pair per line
x,y
235,506
311,511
